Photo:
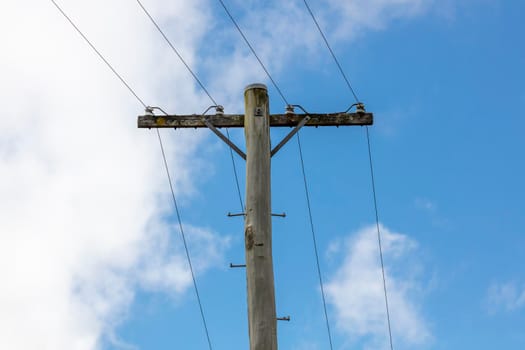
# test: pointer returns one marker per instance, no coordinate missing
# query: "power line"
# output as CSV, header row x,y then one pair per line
x,y
314,241
379,236
331,51
303,171
165,164
253,51
176,52
184,240
371,173
99,54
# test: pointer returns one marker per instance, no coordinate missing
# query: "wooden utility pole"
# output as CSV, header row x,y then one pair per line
x,y
262,319
258,225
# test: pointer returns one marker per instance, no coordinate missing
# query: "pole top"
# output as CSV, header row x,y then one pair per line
x,y
255,86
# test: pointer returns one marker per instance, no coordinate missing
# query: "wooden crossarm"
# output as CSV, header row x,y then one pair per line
x,y
237,120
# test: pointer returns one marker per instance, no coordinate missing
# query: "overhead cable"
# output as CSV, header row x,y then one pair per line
x,y
379,238
331,51
253,51
302,167
199,82
165,164
371,171
99,54
319,275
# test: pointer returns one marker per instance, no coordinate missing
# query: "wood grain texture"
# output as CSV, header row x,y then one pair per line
x,y
262,319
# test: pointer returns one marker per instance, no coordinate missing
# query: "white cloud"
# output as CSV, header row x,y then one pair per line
x,y
167,271
509,296
83,191
356,290
356,16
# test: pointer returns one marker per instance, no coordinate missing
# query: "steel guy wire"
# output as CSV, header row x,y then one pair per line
x,y
165,164
176,52
331,51
253,51
371,172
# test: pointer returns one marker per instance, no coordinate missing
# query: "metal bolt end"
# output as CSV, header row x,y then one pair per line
x,y
287,318
219,110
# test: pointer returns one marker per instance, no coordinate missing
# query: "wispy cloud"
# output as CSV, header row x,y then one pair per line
x,y
357,16
283,31
508,297
356,291
425,204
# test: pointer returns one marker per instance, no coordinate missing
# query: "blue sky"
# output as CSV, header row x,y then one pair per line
x,y
90,250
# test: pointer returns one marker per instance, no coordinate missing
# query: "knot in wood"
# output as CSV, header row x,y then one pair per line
x,y
249,238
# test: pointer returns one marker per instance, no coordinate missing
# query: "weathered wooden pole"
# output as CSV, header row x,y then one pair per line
x,y
262,320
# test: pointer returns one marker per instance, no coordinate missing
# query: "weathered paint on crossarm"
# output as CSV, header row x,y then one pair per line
x,y
237,120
